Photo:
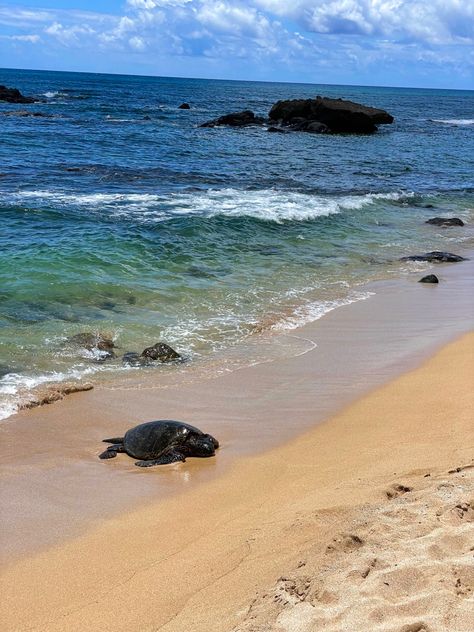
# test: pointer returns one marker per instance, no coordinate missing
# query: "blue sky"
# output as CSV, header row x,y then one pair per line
x,y
419,43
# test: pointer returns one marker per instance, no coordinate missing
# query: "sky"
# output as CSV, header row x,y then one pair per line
x,y
413,43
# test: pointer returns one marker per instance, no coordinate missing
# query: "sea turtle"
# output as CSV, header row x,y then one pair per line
x,y
161,442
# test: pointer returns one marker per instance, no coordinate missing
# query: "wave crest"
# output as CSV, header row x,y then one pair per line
x,y
265,204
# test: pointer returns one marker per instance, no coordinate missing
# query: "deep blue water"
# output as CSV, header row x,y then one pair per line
x,y
120,214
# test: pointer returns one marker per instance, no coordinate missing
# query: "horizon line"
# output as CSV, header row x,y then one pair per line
x,y
305,83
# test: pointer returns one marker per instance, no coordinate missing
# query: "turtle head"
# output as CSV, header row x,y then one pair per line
x,y
202,445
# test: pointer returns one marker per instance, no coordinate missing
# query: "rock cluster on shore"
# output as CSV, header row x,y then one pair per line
x,y
103,345
317,116
160,352
429,278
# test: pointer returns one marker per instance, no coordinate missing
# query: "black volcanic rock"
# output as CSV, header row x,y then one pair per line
x,y
435,257
274,129
334,115
445,221
184,106
12,95
161,352
236,119
429,278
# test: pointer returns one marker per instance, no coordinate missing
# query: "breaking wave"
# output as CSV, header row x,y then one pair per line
x,y
266,204
456,122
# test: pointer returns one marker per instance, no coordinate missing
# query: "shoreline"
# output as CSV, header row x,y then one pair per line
x,y
373,493
354,349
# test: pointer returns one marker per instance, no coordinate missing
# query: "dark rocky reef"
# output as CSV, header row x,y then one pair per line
x,y
322,115
236,119
429,278
445,221
435,257
184,106
13,95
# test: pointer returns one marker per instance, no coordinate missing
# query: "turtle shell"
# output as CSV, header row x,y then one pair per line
x,y
149,440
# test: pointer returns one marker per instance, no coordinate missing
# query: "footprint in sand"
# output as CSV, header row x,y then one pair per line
x,y
345,543
292,590
462,512
464,584
415,627
397,490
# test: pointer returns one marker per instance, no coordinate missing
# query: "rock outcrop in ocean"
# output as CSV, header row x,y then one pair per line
x,y
13,95
322,115
236,119
316,116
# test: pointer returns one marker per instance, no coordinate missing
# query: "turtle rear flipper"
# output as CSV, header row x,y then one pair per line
x,y
115,440
164,459
112,451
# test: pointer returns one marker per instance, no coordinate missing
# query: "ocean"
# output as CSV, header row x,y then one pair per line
x,y
121,216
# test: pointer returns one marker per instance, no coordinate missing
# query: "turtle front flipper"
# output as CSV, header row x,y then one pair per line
x,y
164,459
112,451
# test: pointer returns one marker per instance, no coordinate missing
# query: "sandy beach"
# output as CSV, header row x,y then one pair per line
x,y
363,522
286,266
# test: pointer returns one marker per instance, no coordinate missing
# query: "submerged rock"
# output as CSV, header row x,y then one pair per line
x,y
334,115
184,106
236,119
429,278
445,221
134,359
95,342
27,113
435,257
13,95
160,352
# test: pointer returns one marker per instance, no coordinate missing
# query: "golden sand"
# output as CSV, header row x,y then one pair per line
x,y
363,523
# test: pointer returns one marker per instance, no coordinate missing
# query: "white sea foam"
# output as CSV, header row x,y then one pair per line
x,y
266,204
15,386
454,121
311,311
50,95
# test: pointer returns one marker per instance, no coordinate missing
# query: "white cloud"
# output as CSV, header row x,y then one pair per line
x,y
350,34
440,21
32,39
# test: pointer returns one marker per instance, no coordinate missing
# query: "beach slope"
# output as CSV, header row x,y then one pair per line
x,y
364,523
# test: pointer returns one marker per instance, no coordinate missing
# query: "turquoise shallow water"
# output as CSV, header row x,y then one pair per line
x,y
120,215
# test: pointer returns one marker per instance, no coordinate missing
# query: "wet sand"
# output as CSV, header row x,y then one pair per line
x,y
364,522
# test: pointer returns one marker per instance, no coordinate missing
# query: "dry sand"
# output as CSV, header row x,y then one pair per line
x,y
359,524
